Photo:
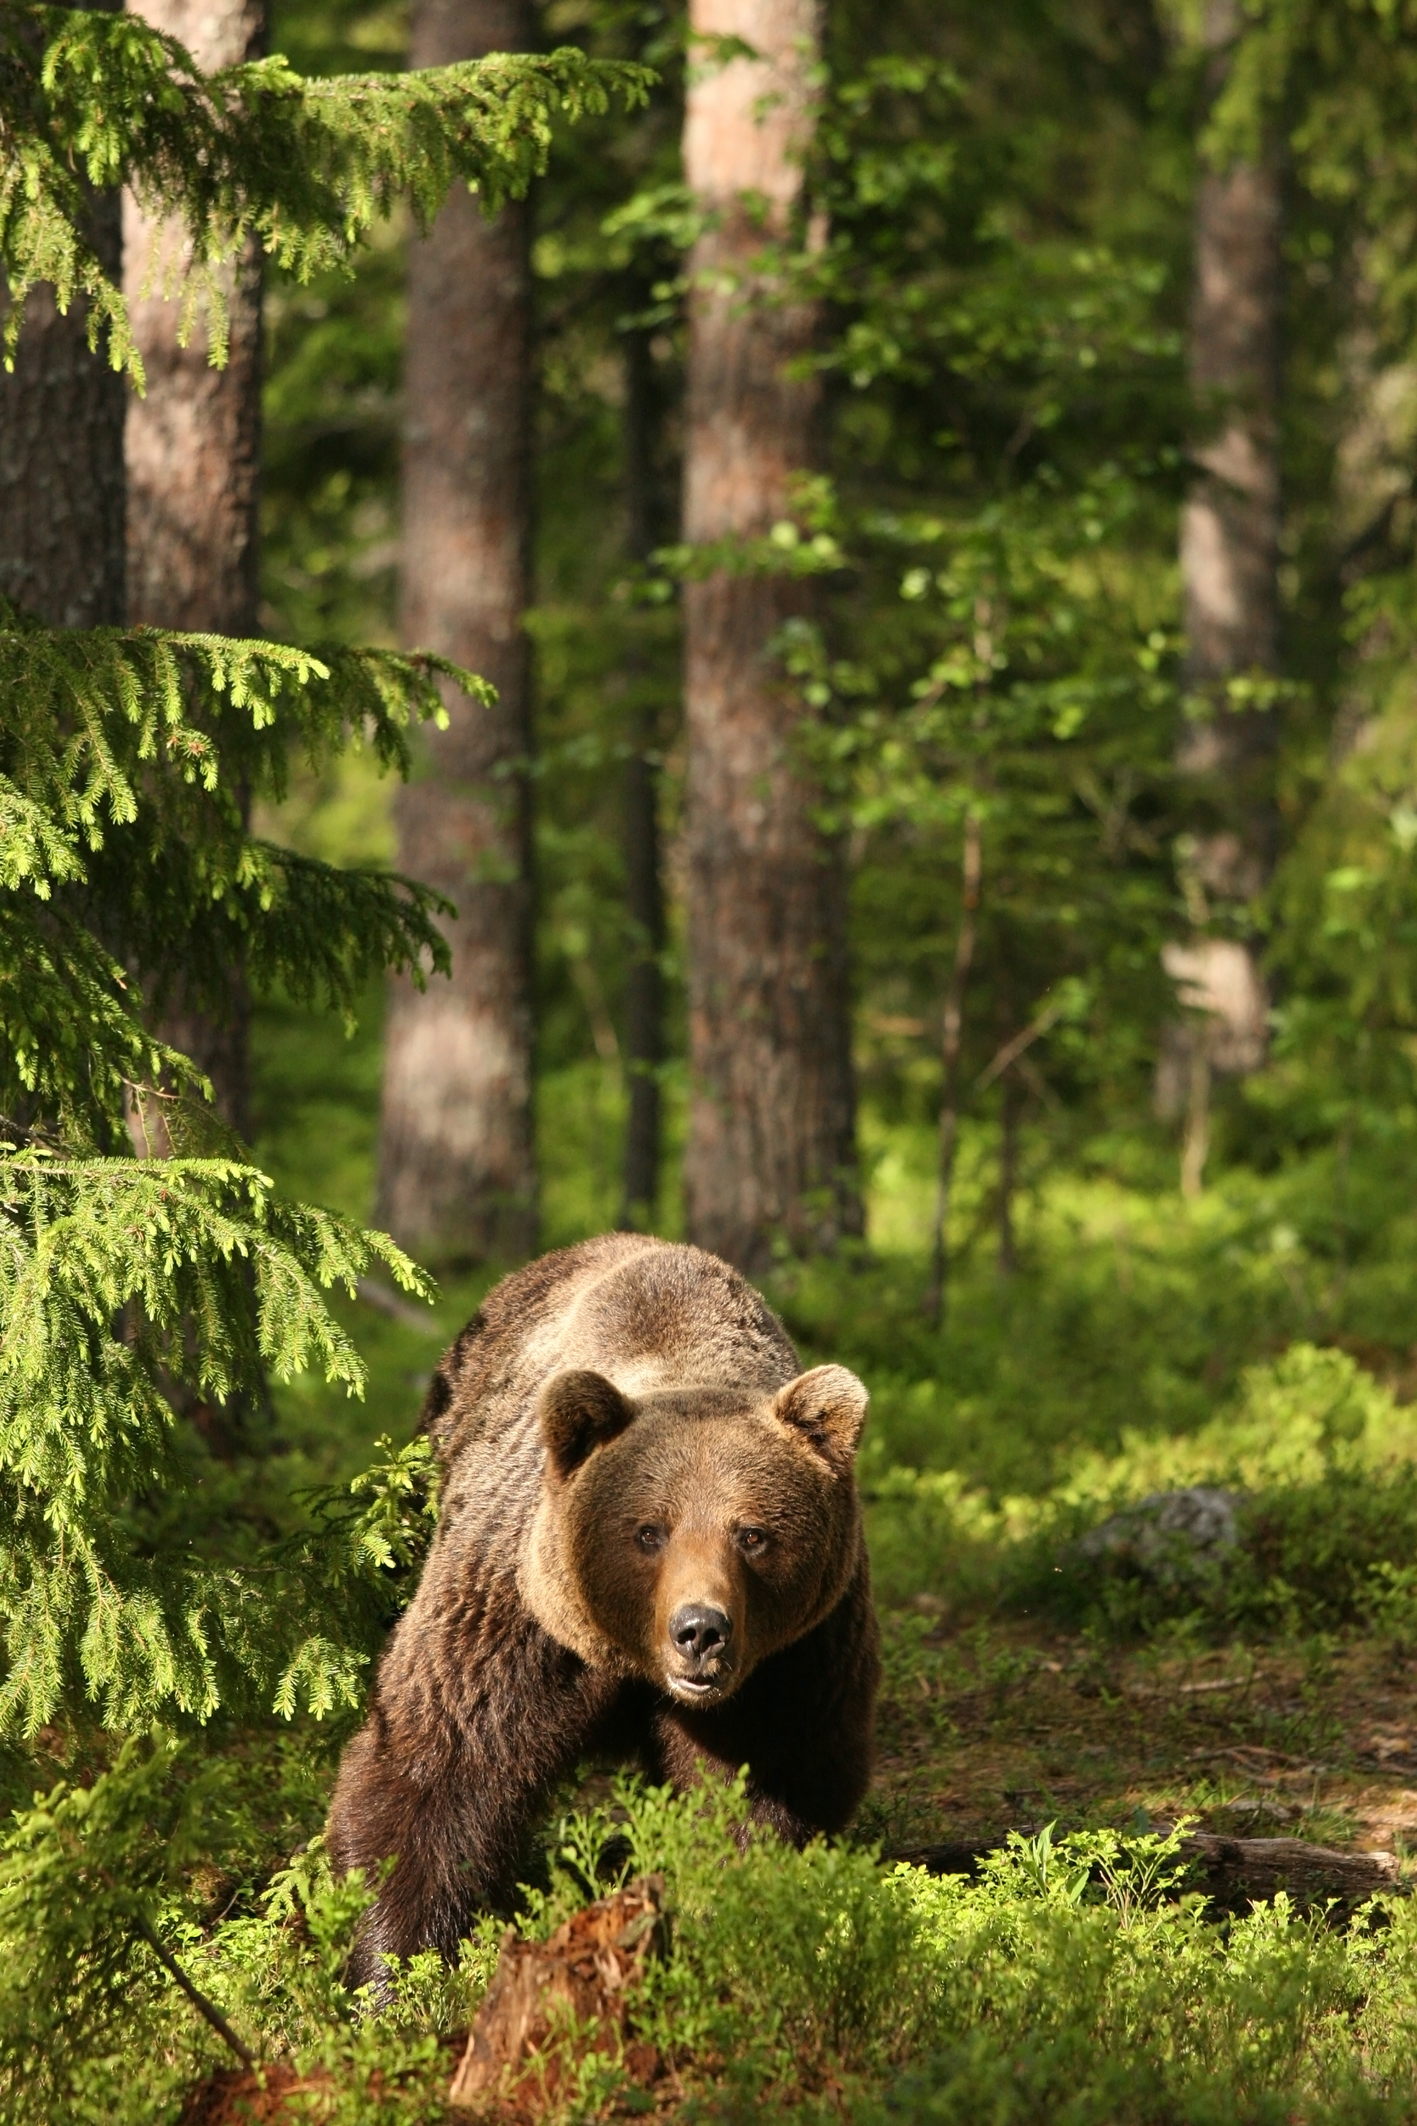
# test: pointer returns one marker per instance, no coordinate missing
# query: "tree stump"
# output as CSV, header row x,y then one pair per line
x,y
575,1987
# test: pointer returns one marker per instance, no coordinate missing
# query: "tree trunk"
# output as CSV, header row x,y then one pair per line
x,y
457,1176
193,447
1230,526
771,1145
61,458
1230,523
951,1045
644,886
1229,566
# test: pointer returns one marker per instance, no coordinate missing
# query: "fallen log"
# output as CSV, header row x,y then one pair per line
x,y
1233,1872
1238,1872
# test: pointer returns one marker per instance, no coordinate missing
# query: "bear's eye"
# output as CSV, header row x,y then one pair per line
x,y
753,1540
650,1536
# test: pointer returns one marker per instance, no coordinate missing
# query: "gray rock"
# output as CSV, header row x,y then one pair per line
x,y
1171,1537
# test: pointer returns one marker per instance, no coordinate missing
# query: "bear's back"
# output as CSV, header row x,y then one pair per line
x,y
646,1313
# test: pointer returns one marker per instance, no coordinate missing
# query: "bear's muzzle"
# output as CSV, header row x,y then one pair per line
x,y
701,1662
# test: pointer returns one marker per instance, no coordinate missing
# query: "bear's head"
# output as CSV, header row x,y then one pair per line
x,y
686,1536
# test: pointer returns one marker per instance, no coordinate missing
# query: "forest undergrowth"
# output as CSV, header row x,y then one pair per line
x,y
1063,1704
1133,1303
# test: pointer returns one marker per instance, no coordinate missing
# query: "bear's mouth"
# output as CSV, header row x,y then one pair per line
x,y
698,1690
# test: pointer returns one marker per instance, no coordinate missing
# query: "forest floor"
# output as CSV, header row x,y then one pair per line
x,y
992,1727
1131,1318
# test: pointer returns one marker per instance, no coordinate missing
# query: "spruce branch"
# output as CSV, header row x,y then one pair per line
x,y
118,1276
124,850
250,152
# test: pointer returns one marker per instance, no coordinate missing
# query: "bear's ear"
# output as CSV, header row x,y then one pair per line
x,y
578,1412
828,1407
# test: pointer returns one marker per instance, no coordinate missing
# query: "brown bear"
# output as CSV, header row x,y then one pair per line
x,y
649,1544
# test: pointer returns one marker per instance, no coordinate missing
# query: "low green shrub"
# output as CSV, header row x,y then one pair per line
x,y
1319,1459
1075,1981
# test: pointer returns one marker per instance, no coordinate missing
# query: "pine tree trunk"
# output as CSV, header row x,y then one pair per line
x,y
457,1176
1229,566
61,458
771,1132
644,886
951,1047
193,448
1230,525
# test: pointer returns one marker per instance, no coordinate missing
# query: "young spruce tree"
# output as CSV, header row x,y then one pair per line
x,y
127,871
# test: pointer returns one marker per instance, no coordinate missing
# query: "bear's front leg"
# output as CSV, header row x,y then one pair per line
x,y
447,1775
803,1723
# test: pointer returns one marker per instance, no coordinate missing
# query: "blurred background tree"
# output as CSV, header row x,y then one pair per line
x,y
993,676
1043,336
948,837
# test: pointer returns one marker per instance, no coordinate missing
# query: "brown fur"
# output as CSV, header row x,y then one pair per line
x,y
627,1448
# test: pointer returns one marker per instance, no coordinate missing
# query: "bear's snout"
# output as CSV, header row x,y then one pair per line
x,y
699,1633
700,1655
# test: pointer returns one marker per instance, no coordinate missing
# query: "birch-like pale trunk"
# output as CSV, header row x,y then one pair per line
x,y
1230,570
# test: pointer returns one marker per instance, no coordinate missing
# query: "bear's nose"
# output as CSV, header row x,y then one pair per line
x,y
698,1631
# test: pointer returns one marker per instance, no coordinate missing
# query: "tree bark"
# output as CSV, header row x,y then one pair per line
x,y
193,447
644,885
1229,565
1230,523
61,457
951,1044
457,1176
771,1129
587,1973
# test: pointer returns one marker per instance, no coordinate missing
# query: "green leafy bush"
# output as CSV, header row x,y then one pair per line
x,y
1075,1979
1321,1464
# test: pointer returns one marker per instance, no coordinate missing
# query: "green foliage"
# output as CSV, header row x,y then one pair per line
x,y
253,152
127,1285
137,1296
1321,1466
1005,196
153,1849
209,1277
78,1872
1075,1972
126,763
